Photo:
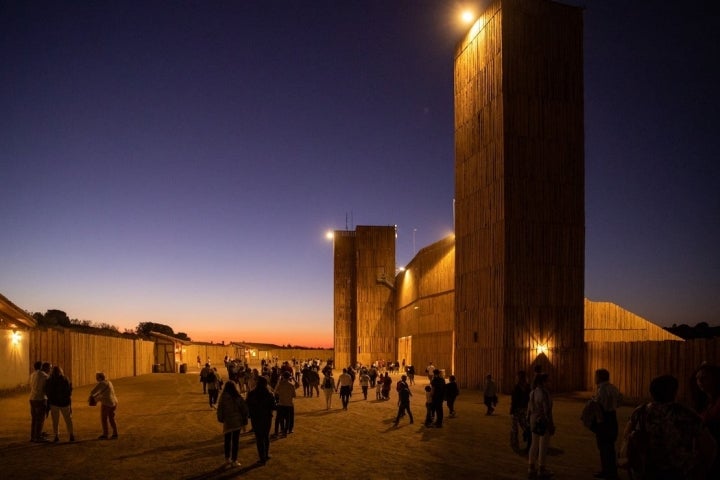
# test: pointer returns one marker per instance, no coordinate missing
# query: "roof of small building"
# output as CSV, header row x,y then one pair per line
x,y
12,316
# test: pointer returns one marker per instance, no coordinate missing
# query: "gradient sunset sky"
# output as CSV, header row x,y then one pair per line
x,y
180,162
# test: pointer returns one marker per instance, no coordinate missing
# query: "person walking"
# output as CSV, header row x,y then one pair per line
x,y
104,394
213,383
541,426
429,414
328,387
404,395
411,374
519,399
451,393
364,383
490,394
345,385
429,370
38,401
204,373
438,396
261,403
59,393
285,393
608,398
232,412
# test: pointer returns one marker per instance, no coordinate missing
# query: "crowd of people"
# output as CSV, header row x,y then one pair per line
x,y
664,439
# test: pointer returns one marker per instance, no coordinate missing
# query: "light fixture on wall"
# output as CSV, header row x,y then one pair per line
x,y
541,349
15,337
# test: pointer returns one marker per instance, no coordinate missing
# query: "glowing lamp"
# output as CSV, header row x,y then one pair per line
x,y
15,337
541,349
467,16
329,235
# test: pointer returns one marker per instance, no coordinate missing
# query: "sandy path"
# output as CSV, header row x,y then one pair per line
x,y
167,430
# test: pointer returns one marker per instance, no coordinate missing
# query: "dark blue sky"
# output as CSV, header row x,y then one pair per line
x,y
179,162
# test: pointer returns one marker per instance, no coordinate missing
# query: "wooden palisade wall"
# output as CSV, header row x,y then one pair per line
x,y
632,365
425,297
82,355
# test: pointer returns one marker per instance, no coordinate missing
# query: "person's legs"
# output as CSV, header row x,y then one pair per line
x,y
544,444
266,443
259,443
278,419
37,415
401,410
67,417
235,441
533,454
438,407
514,432
227,439
111,419
291,419
55,414
104,420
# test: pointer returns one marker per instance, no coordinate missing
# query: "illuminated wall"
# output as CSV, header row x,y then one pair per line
x,y
425,306
519,193
14,358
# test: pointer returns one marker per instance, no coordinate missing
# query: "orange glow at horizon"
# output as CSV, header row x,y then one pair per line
x,y
301,339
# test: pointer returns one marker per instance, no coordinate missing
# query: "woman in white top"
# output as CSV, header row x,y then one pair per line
x,y
542,427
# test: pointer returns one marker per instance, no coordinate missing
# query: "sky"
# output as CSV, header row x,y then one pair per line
x,y
180,162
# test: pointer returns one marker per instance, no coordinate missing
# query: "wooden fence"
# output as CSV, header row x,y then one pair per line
x,y
633,365
81,355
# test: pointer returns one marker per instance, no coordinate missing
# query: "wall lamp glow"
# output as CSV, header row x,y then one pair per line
x,y
541,349
467,16
15,337
329,235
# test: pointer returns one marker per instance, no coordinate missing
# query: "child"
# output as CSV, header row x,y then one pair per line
x,y
428,406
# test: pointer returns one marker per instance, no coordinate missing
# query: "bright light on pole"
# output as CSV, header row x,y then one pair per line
x,y
329,235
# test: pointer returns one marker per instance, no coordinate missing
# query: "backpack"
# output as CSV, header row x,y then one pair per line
x,y
591,415
327,383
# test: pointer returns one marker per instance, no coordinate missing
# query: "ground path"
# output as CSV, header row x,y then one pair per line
x,y
167,430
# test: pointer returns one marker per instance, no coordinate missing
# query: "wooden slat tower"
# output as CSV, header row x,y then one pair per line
x,y
364,274
519,191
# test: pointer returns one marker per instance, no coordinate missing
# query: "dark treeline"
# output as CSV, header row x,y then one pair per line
x,y
58,318
701,330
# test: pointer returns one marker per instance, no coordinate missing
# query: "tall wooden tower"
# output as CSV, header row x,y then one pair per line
x,y
519,192
364,275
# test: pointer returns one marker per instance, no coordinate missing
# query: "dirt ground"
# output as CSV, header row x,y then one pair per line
x,y
167,430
